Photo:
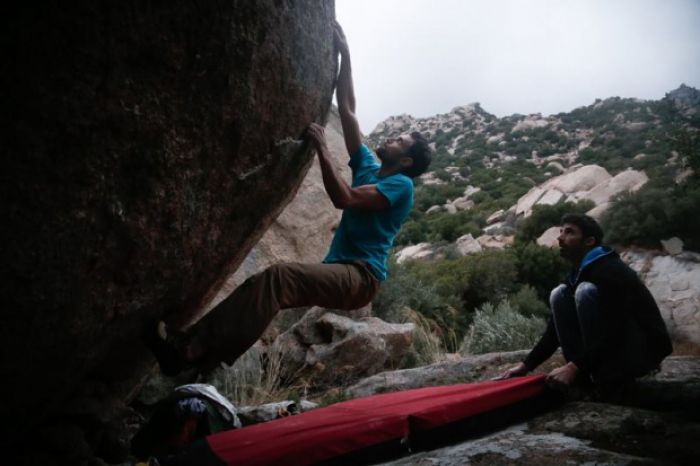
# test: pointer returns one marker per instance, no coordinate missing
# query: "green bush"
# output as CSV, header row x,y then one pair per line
x,y
501,328
527,302
474,279
448,227
413,232
406,289
687,143
540,267
651,214
546,216
430,195
440,226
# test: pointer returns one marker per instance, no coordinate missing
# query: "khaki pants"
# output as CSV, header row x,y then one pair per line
x,y
233,326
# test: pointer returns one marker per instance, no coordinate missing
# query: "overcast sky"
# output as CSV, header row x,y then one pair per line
x,y
424,57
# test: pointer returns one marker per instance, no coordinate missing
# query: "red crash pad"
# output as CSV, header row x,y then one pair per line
x,y
329,432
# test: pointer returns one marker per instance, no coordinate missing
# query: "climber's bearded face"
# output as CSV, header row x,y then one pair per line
x,y
393,149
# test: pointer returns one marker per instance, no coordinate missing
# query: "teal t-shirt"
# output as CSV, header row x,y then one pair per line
x,y
367,235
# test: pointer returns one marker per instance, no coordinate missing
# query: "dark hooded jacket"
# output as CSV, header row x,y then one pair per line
x,y
623,296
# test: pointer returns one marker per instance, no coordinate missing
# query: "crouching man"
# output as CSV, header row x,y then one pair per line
x,y
603,317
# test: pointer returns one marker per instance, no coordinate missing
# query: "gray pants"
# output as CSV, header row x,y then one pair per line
x,y
582,326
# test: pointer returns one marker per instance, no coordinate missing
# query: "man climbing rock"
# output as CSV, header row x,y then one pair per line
x,y
374,207
603,317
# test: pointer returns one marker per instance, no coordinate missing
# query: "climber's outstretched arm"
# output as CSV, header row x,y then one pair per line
x,y
345,93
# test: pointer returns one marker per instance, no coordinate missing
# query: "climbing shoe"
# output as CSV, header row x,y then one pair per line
x,y
165,348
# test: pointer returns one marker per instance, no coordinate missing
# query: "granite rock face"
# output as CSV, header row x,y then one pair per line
x,y
148,147
675,283
590,182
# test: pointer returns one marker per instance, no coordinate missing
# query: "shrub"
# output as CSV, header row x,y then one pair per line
x,y
474,279
546,216
527,303
687,143
652,214
448,227
501,328
413,232
403,289
540,267
430,195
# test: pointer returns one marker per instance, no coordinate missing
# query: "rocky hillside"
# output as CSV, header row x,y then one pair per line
x,y
628,127
484,164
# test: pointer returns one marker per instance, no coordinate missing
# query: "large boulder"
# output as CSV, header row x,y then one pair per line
x,y
530,122
148,147
467,245
625,181
497,216
528,200
327,349
573,185
590,182
551,197
495,241
582,179
463,203
550,237
672,246
674,281
416,251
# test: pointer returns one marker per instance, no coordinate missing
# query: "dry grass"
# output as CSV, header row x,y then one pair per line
x,y
428,346
254,379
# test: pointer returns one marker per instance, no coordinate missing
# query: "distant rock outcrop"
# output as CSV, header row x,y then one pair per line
x,y
417,251
467,245
590,182
149,146
685,96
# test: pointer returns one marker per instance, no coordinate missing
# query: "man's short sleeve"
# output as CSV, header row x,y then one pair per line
x,y
362,161
396,188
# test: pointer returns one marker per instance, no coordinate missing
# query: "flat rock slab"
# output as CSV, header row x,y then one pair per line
x,y
463,370
657,422
517,445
